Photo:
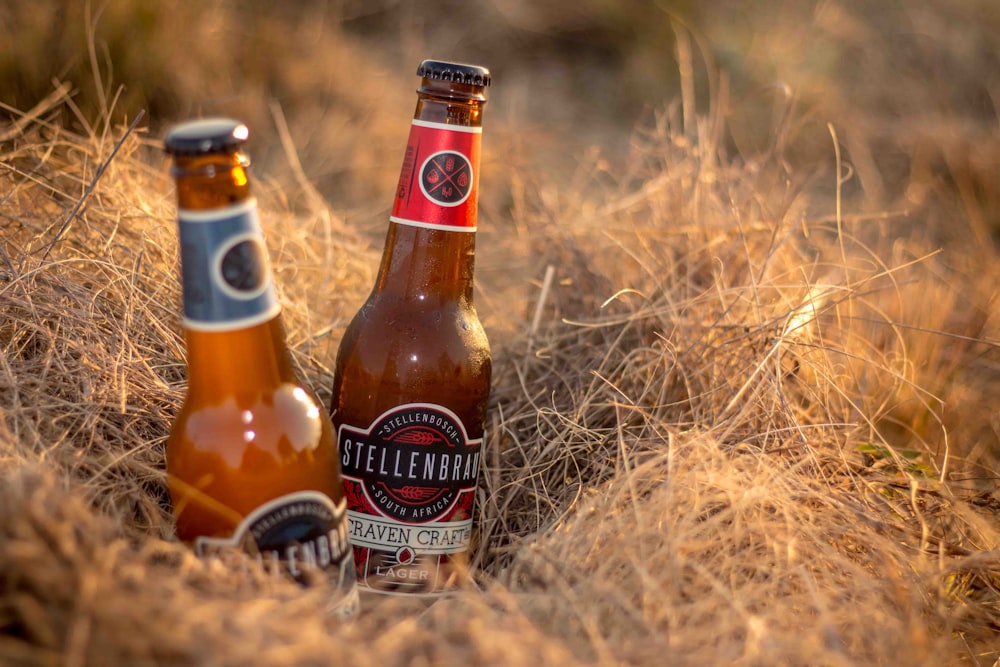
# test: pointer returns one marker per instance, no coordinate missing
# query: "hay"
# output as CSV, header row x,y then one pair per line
x,y
726,425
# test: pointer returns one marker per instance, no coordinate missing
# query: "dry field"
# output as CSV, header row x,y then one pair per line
x,y
739,269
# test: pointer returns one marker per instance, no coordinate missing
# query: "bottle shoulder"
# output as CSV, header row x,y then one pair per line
x,y
414,354
285,422
394,316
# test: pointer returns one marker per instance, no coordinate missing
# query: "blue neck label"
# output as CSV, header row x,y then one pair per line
x,y
225,272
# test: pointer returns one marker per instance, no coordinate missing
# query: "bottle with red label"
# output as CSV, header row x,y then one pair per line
x,y
412,377
252,458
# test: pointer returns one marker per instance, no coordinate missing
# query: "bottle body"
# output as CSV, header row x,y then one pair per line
x,y
412,377
252,458
252,463
411,387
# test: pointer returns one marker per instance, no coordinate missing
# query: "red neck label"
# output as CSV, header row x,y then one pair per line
x,y
439,182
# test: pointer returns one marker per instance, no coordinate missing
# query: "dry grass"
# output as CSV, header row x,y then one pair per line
x,y
743,412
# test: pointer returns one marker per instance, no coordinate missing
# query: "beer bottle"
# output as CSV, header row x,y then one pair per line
x,y
252,457
412,375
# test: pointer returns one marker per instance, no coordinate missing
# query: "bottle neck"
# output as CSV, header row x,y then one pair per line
x,y
234,345
427,264
238,362
429,251
214,181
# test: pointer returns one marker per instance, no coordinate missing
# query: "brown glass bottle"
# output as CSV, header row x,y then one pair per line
x,y
412,376
251,458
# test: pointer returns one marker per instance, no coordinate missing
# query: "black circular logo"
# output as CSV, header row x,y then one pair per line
x,y
414,463
446,178
242,268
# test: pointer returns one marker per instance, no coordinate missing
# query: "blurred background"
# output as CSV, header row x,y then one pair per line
x,y
911,87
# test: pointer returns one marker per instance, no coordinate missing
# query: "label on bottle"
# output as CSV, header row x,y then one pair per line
x,y
296,535
225,272
410,481
439,182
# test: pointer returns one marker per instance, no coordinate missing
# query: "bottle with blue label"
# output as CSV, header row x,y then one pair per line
x,y
252,460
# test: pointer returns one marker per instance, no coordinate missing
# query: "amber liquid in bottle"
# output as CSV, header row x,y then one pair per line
x,y
251,458
412,376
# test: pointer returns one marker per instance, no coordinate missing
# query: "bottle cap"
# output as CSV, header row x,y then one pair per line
x,y
472,75
206,135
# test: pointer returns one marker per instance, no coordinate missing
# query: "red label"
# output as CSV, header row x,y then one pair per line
x,y
414,464
410,485
439,182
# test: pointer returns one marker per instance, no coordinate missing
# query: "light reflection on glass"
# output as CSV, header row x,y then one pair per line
x,y
300,395
239,176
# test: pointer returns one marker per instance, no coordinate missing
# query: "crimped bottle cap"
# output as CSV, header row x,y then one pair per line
x,y
472,75
206,135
